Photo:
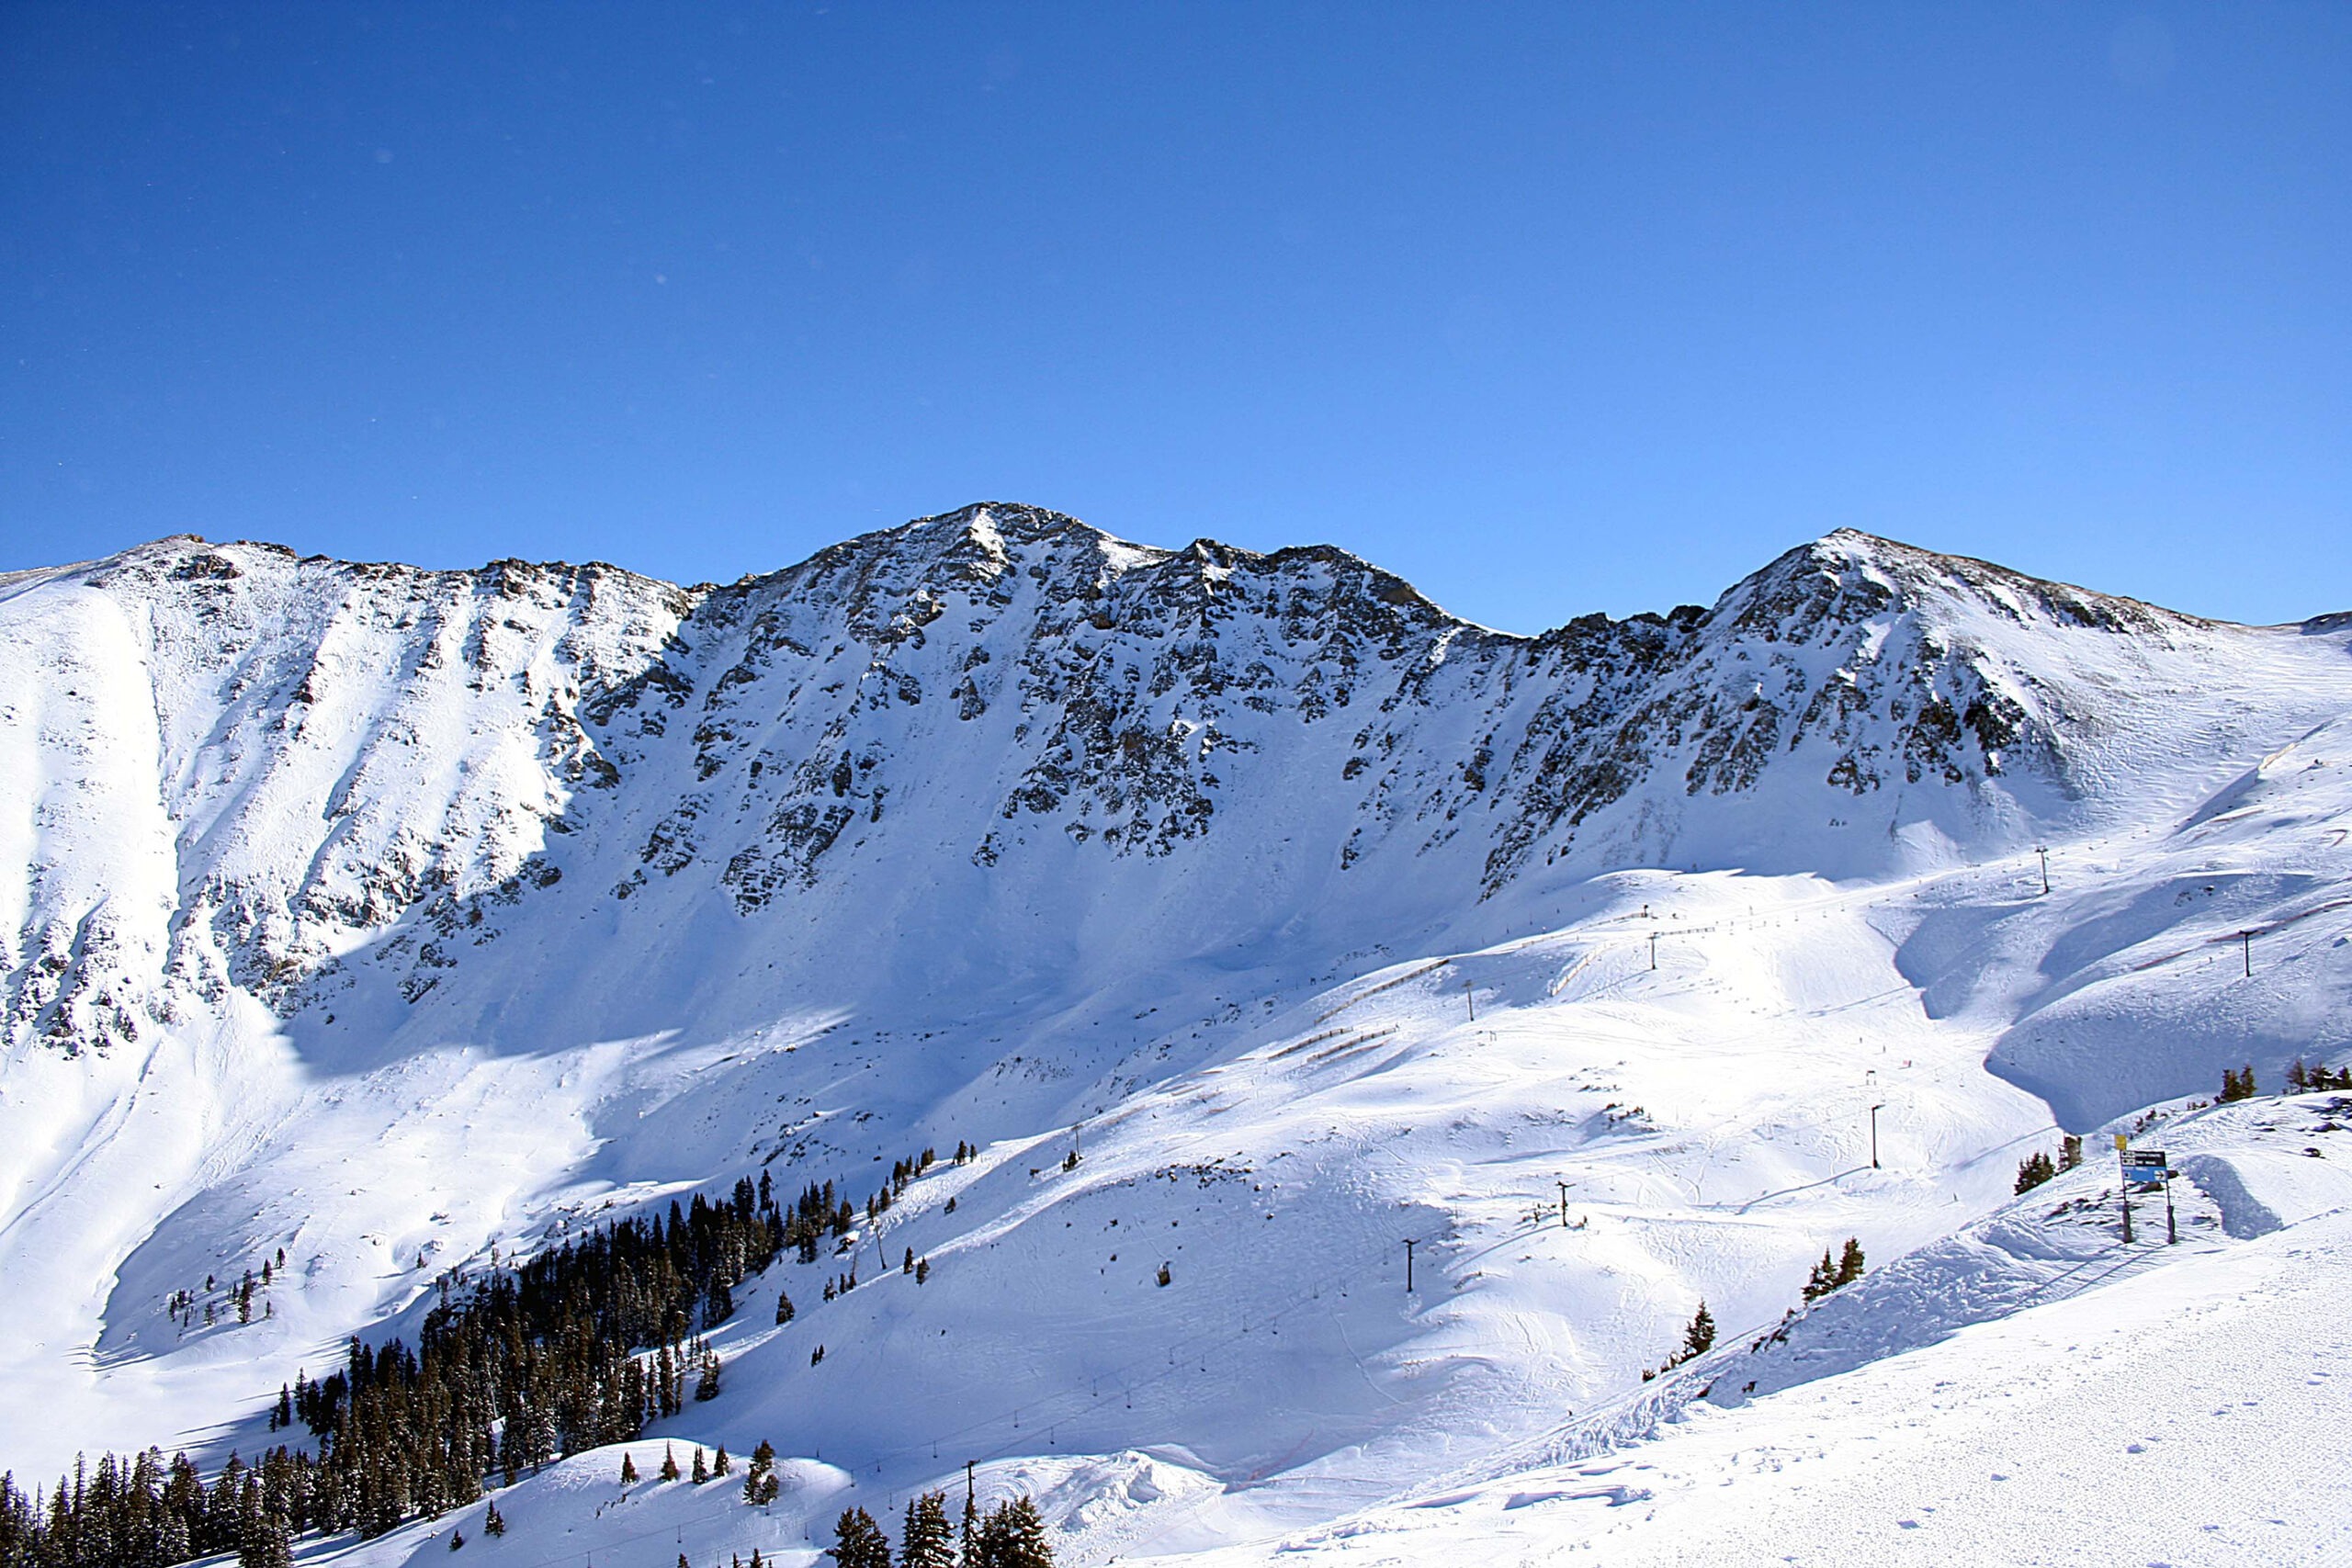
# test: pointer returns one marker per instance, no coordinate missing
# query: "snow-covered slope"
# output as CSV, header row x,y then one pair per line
x,y
380,916
2031,1390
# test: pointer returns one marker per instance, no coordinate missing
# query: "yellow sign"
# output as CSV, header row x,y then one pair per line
x,y
2123,1141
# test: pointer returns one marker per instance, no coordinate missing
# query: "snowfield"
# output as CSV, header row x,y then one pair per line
x,y
383,918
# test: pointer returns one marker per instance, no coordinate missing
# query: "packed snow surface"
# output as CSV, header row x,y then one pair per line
x,y
382,917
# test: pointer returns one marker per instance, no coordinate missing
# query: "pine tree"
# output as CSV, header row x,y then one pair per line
x,y
760,1483
629,1468
493,1523
1700,1337
858,1541
263,1541
702,1466
927,1541
1850,1264
1824,1279
669,1463
720,1464
2033,1170
2069,1152
2297,1079
1012,1537
706,1386
782,1308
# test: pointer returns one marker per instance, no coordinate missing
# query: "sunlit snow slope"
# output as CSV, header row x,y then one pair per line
x,y
382,915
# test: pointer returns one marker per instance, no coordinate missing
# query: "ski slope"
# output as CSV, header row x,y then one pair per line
x,y
2030,1392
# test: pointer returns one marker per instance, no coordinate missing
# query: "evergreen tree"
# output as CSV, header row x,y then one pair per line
x,y
2033,1170
264,1542
1012,1537
2069,1152
720,1464
1824,1279
782,1308
669,1463
760,1482
706,1386
702,1466
858,1541
493,1523
629,1468
1850,1264
927,1541
1700,1337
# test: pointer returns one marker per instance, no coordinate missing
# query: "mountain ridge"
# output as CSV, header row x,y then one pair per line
x,y
1138,717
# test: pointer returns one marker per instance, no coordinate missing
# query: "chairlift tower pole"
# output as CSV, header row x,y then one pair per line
x,y
1874,1111
1410,1243
2045,867
1563,1206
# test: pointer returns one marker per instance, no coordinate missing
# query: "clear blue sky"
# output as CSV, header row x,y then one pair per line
x,y
1551,307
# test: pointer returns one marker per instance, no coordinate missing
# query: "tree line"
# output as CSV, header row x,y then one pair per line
x,y
579,1346
1010,1535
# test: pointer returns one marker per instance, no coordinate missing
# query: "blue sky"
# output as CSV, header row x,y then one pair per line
x,y
1549,308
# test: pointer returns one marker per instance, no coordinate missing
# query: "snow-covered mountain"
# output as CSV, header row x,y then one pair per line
x,y
380,915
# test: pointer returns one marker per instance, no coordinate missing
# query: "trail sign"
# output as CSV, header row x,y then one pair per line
x,y
2144,1164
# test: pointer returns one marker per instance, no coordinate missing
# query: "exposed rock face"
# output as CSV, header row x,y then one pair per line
x,y
233,771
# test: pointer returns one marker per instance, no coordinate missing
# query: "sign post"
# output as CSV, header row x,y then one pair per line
x,y
2152,1167
2122,1146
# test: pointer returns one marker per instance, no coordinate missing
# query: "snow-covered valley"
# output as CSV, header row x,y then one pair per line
x,y
382,918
